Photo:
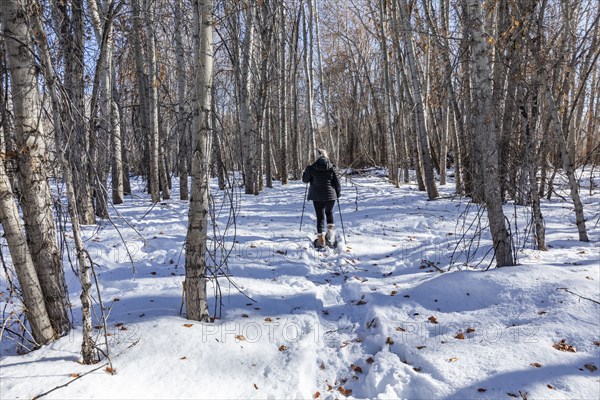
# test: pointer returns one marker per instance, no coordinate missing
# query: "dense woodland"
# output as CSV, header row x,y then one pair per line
x,y
501,94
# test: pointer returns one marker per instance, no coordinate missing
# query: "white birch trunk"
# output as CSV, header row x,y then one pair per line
x,y
33,298
31,162
152,103
424,153
485,134
195,255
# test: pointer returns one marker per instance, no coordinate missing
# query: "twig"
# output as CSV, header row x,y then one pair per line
x,y
578,295
103,315
39,396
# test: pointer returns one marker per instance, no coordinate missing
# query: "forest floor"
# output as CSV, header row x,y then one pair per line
x,y
406,308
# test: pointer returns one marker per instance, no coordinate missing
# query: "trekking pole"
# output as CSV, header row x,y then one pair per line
x,y
303,206
342,221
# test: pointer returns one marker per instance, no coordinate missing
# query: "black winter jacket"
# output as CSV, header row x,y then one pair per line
x,y
324,182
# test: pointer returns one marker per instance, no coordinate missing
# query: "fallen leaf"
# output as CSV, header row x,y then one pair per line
x,y
536,365
356,368
389,340
460,336
549,386
118,324
110,370
329,387
75,375
282,348
590,367
183,358
188,325
241,338
268,319
123,328
400,329
564,346
452,359
255,387
322,366
470,330
370,360
282,252
393,293
344,344
542,312
420,347
597,343
482,390
417,369
432,319
317,395
345,392
244,315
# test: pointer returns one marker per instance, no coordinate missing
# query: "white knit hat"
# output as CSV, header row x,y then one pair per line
x,y
322,153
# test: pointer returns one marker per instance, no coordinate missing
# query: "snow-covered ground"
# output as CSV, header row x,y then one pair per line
x,y
404,309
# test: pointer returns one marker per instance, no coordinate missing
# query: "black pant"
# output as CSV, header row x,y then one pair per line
x,y
323,209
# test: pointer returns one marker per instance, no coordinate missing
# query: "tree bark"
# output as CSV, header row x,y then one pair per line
x,y
31,162
33,298
432,192
195,255
485,134
152,103
182,132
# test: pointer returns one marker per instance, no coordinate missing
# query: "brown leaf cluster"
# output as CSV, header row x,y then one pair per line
x,y
564,346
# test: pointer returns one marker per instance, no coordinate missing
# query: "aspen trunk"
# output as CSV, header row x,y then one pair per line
x,y
181,125
424,153
31,163
33,298
567,163
154,134
392,153
485,134
195,255
247,126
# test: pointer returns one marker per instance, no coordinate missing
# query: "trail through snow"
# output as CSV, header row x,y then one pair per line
x,y
384,316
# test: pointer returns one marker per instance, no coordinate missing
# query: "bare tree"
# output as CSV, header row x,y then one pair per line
x,y
195,254
485,133
31,162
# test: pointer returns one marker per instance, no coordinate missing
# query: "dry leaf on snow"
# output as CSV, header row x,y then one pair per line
x,y
356,368
564,346
345,392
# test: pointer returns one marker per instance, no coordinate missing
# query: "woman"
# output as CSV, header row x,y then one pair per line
x,y
324,191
